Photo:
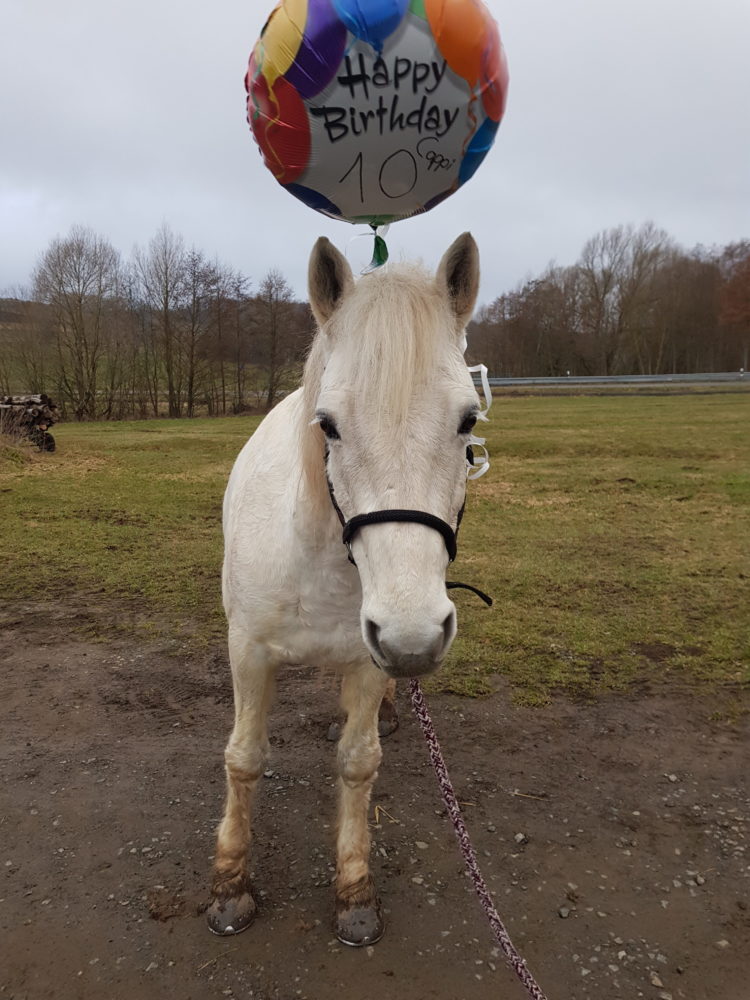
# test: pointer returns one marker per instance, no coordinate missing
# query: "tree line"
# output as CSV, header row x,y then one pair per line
x,y
634,303
169,332
172,332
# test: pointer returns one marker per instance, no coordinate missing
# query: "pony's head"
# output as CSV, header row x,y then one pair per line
x,y
397,405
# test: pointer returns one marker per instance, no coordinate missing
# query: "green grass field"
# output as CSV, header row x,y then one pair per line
x,y
613,533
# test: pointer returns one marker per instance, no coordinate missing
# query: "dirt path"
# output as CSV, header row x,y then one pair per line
x,y
631,878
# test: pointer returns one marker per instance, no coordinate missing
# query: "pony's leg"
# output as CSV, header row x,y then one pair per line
x,y
233,908
387,716
358,917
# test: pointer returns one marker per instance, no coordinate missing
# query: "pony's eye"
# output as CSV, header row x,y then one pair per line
x,y
468,423
328,426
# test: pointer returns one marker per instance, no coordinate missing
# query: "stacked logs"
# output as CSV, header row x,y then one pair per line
x,y
29,417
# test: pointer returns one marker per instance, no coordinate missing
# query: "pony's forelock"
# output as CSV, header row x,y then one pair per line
x,y
393,330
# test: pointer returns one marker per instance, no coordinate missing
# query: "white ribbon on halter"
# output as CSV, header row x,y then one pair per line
x,y
481,464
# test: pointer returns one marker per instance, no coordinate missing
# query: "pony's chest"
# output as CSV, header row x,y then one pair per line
x,y
325,630
330,594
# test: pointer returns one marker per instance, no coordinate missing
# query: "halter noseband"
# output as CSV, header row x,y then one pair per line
x,y
352,526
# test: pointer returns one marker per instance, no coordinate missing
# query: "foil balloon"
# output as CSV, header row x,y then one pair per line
x,y
374,110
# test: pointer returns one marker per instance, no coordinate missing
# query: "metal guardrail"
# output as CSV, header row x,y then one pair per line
x,y
704,378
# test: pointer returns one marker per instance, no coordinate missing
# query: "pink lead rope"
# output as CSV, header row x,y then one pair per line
x,y
449,797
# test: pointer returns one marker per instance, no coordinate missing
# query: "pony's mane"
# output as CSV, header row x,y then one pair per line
x,y
393,329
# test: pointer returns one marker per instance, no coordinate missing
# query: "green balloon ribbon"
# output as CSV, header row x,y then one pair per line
x,y
380,250
379,253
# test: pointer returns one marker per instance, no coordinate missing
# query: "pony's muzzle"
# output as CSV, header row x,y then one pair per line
x,y
409,652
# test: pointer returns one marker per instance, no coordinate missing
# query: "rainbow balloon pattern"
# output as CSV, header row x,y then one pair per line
x,y
374,110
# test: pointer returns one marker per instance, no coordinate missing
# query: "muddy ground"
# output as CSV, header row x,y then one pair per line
x,y
631,878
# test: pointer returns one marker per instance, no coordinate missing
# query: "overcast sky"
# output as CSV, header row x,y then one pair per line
x,y
122,116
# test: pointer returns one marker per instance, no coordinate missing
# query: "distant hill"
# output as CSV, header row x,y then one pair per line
x,y
11,313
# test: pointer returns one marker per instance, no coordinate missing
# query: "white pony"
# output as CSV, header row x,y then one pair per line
x,y
381,424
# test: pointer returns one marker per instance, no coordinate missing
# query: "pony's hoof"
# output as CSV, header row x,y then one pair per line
x,y
358,926
387,726
387,717
232,915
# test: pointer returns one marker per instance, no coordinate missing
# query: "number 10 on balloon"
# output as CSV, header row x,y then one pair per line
x,y
398,174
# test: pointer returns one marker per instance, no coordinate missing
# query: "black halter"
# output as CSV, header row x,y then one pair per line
x,y
450,537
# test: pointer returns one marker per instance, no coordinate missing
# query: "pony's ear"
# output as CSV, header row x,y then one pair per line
x,y
329,279
458,277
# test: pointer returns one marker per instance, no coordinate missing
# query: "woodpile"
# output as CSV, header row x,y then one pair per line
x,y
29,417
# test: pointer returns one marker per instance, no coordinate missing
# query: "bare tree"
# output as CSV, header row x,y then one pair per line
x,y
601,265
283,331
532,330
735,301
28,345
619,271
77,277
242,328
162,275
222,298
199,280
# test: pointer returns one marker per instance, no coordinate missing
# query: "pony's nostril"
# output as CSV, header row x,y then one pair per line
x,y
449,631
372,633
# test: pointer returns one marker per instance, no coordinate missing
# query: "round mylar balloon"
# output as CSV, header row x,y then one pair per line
x,y
373,110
